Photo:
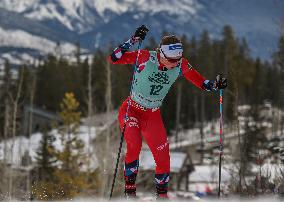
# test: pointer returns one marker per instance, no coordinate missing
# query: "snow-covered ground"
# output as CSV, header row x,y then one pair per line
x,y
146,161
202,178
211,129
18,146
152,199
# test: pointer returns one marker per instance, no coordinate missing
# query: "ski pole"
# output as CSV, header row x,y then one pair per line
x,y
221,140
124,125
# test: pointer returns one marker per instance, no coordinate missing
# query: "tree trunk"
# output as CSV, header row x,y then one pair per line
x,y
107,163
30,130
90,117
14,127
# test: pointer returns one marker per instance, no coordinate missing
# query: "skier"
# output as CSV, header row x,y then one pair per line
x,y
155,73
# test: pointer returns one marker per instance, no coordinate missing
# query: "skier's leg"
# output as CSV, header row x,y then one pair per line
x,y
133,141
156,138
133,148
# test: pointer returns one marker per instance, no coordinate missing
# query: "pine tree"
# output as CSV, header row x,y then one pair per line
x,y
205,67
64,180
256,86
71,158
254,149
278,63
99,80
63,172
6,120
244,74
192,94
45,159
229,53
6,106
55,77
188,113
43,173
71,120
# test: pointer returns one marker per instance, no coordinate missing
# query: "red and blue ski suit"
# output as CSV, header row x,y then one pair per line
x,y
144,117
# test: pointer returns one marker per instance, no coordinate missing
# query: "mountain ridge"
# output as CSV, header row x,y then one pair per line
x,y
95,23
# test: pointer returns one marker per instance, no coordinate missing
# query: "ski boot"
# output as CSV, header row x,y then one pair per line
x,y
162,187
161,194
130,187
130,174
130,191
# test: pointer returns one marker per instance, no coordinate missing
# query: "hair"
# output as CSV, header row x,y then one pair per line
x,y
168,39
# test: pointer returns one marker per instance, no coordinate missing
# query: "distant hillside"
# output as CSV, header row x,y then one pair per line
x,y
37,25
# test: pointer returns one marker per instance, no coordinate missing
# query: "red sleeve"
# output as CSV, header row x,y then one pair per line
x,y
191,74
130,57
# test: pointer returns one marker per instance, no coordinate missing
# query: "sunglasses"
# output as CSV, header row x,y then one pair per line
x,y
170,59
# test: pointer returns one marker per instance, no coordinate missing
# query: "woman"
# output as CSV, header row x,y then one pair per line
x,y
155,73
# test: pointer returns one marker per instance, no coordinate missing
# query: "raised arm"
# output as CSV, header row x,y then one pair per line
x,y
120,54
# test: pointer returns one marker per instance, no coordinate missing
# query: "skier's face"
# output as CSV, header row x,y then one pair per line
x,y
169,63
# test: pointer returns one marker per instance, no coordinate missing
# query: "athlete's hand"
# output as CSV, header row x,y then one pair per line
x,y
140,33
220,82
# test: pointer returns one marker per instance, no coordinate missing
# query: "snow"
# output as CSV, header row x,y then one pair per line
x,y
188,7
208,173
115,6
17,58
192,136
49,12
16,147
14,72
84,12
182,7
149,197
207,176
19,38
65,11
211,129
16,5
73,9
270,170
91,16
147,162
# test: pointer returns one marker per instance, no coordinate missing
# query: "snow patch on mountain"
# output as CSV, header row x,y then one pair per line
x,y
19,38
78,15
172,7
74,14
17,58
49,11
16,5
111,20
114,6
